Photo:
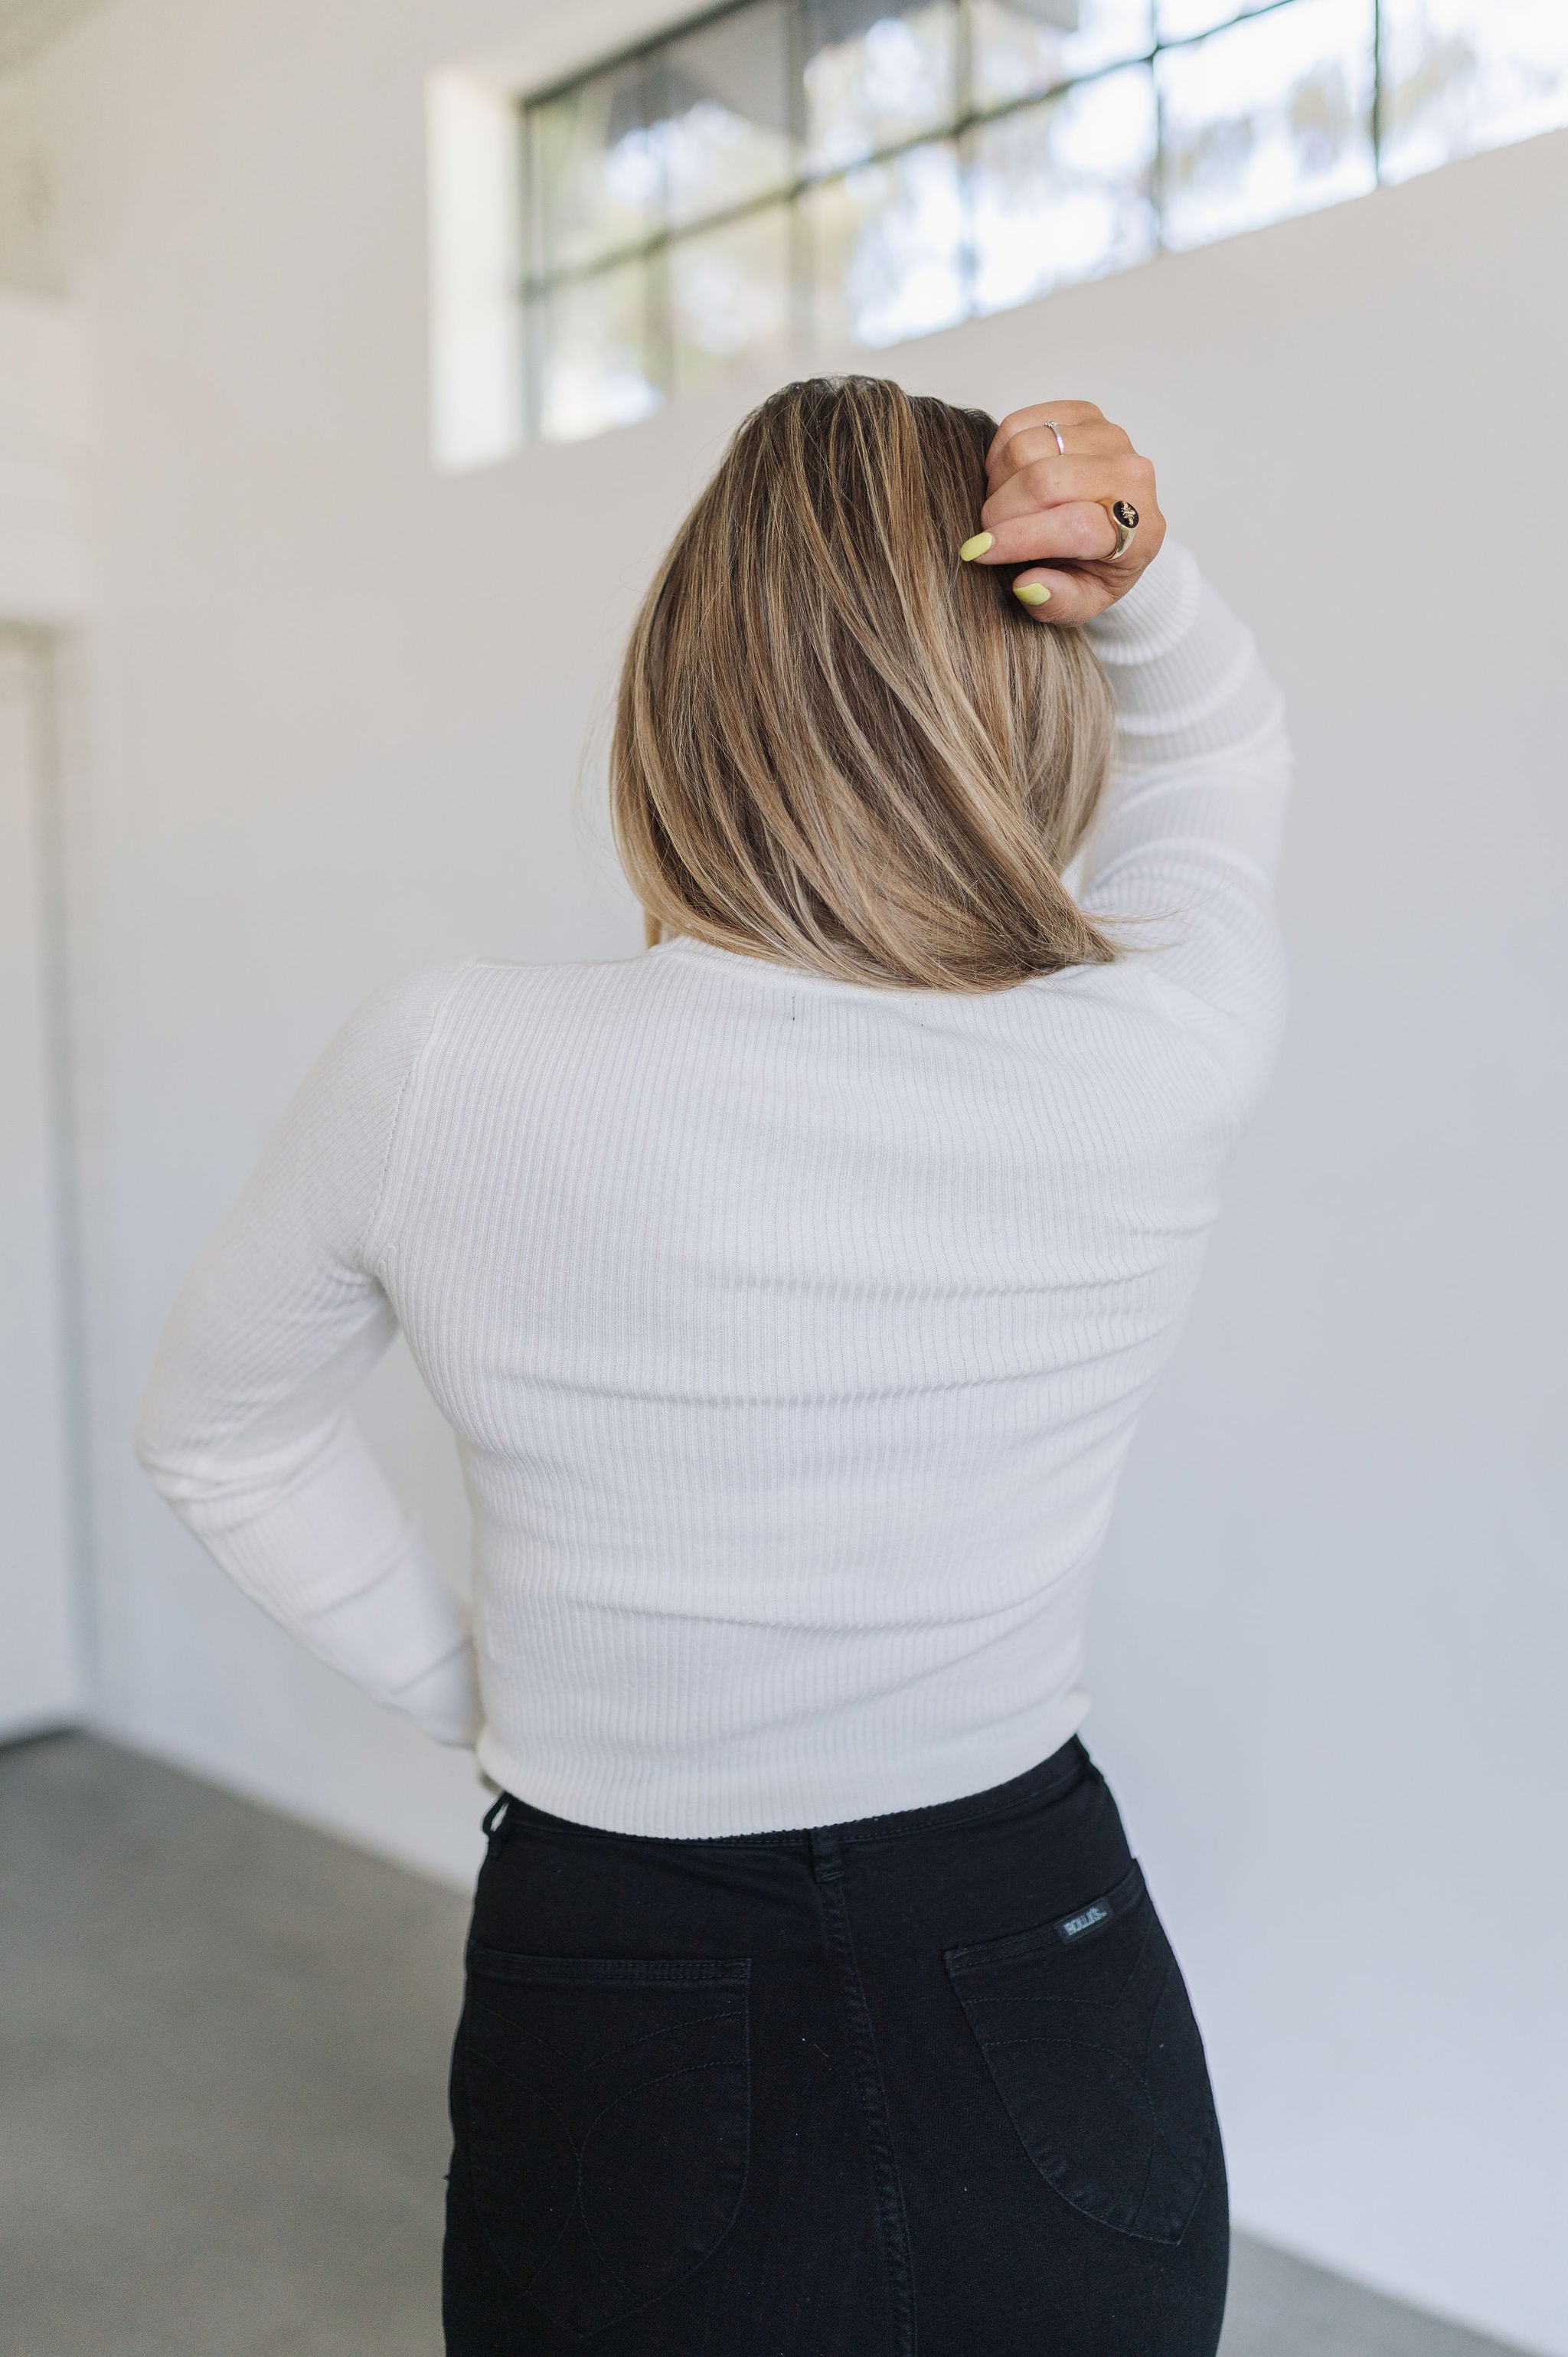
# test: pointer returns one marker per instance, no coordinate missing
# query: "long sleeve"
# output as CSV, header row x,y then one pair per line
x,y
243,1425
1183,856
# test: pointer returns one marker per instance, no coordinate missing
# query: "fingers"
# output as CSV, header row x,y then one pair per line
x,y
1053,472
1022,421
1037,443
1074,534
1099,439
1057,482
1071,598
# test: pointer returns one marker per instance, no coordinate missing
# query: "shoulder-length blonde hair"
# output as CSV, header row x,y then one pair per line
x,y
836,745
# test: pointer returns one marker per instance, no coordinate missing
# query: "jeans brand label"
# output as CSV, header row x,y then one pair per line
x,y
1072,1926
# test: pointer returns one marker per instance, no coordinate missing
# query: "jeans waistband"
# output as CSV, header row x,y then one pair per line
x,y
1045,1781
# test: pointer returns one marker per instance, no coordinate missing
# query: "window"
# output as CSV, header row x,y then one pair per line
x,y
803,176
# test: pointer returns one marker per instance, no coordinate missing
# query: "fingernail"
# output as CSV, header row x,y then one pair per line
x,y
976,546
1031,593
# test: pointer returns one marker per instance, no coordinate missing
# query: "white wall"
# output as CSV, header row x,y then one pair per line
x,y
44,443
338,712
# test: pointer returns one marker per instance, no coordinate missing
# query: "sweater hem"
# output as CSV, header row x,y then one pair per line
x,y
706,1802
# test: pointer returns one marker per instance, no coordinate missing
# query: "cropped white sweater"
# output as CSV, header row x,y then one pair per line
x,y
792,1332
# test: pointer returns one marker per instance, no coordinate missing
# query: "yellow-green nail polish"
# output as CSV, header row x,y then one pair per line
x,y
976,546
1031,593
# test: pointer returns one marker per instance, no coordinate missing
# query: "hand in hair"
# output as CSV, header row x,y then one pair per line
x,y
1051,512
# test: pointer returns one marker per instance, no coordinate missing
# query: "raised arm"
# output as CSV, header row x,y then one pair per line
x,y
243,1425
1183,856
1187,839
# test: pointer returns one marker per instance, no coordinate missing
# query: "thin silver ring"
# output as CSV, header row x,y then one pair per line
x,y
1124,516
1052,427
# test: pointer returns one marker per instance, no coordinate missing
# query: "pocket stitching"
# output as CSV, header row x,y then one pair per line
x,y
608,1972
738,1972
1153,2115
1199,2176
1095,2046
1018,1947
1029,1956
491,2063
575,2207
1025,1947
698,2021
686,2071
578,2210
480,2219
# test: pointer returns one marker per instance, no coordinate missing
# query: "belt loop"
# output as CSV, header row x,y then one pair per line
x,y
496,1812
827,1855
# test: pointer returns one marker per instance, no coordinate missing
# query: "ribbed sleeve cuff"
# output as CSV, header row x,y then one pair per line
x,y
446,1701
1156,613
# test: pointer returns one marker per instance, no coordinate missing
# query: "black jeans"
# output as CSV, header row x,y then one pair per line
x,y
925,2082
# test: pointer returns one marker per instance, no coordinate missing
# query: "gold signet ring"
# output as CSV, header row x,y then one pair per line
x,y
1124,516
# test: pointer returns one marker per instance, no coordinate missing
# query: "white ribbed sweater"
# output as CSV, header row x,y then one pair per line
x,y
792,1332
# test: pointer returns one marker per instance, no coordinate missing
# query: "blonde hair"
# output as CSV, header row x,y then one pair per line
x,y
836,745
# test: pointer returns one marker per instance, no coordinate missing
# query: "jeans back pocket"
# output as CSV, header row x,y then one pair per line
x,y
606,2109
1088,2037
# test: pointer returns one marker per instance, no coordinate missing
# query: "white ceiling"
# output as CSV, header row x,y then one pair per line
x,y
27,26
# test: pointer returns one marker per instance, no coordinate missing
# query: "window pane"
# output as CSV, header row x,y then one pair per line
x,y
1174,20
1463,74
886,245
1019,47
1266,119
594,365
725,132
1062,190
729,295
594,170
874,75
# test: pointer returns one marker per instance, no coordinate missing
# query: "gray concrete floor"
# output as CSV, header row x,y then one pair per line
x,y
222,2055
